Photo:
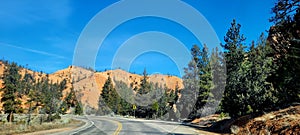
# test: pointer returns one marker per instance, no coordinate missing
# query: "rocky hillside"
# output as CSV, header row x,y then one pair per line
x,y
88,84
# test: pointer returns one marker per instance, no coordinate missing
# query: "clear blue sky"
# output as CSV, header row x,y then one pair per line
x,y
43,34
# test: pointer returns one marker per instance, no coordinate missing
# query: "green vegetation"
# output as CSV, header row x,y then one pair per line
x,y
110,100
42,95
247,89
10,99
266,76
71,102
110,95
259,76
284,39
201,76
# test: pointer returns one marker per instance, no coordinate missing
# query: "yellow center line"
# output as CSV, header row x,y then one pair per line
x,y
118,130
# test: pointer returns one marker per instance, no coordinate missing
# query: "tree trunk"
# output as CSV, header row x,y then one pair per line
x,y
10,117
29,114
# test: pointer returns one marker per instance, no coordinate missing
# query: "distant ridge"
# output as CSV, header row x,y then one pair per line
x,y
88,84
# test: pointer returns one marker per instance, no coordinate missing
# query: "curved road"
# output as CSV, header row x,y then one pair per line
x,y
96,125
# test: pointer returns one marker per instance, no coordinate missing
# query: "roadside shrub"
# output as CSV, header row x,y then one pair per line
x,y
56,116
53,117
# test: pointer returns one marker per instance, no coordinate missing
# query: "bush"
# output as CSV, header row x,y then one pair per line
x,y
56,116
53,117
223,115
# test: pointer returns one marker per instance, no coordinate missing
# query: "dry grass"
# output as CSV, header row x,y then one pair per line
x,y
21,127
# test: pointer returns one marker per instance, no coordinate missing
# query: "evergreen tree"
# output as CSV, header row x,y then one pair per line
x,y
110,96
154,108
191,79
50,97
173,96
198,80
144,97
234,95
247,89
34,101
261,92
68,102
218,69
163,105
71,98
26,83
78,108
106,90
144,85
126,97
205,82
36,94
284,38
63,107
103,102
11,78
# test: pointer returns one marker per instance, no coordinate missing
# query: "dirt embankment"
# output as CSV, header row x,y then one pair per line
x,y
286,121
282,122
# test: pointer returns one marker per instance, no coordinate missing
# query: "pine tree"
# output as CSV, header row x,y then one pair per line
x,y
261,92
247,89
36,94
163,105
154,108
126,95
63,107
69,101
51,94
34,101
191,79
78,108
173,96
198,80
284,38
103,102
26,83
106,89
144,85
110,96
218,69
205,82
11,78
144,97
234,95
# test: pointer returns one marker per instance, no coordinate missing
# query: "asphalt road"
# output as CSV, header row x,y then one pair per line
x,y
96,125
